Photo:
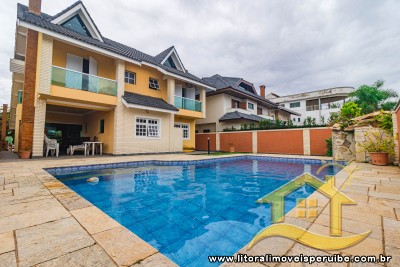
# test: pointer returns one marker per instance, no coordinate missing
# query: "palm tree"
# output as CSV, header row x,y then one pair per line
x,y
373,97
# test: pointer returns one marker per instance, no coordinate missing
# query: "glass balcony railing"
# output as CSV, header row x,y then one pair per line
x,y
82,81
186,103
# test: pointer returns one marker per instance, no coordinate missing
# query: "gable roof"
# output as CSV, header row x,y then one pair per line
x,y
170,52
78,8
44,24
147,101
161,56
220,82
230,85
236,115
223,83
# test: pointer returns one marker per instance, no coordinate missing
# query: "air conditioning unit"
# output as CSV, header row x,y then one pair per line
x,y
154,86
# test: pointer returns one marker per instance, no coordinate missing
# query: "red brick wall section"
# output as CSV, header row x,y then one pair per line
x,y
281,142
28,100
202,142
241,141
317,141
35,6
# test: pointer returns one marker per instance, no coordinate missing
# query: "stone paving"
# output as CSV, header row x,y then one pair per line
x,y
44,223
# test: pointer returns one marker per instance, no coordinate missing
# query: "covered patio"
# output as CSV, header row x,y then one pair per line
x,y
72,127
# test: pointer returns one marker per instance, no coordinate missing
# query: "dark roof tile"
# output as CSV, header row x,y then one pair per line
x,y
240,116
147,101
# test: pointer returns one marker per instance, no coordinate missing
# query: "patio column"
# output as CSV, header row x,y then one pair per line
x,y
306,142
171,90
171,100
203,102
39,127
119,109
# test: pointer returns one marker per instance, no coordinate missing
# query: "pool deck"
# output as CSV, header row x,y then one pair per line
x,y
44,223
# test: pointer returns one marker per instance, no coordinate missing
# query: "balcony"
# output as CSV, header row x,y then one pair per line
x,y
188,104
312,107
17,65
82,81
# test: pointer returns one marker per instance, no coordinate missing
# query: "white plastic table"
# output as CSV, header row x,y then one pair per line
x,y
87,145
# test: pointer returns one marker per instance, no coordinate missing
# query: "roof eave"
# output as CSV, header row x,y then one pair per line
x,y
229,88
178,76
129,105
62,37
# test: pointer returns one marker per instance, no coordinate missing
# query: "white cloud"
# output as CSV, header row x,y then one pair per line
x,y
291,46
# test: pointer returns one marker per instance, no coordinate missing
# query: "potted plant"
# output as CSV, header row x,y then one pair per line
x,y
379,146
231,148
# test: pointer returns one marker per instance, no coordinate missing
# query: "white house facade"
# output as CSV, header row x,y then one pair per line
x,y
318,105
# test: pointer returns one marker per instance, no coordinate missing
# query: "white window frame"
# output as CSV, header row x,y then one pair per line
x,y
179,125
134,77
250,103
146,124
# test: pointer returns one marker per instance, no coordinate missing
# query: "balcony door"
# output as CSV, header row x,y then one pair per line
x,y
78,69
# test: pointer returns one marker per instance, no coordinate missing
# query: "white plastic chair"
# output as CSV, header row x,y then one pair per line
x,y
51,145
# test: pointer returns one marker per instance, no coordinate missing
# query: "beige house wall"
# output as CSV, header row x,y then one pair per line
x,y
92,120
171,139
218,105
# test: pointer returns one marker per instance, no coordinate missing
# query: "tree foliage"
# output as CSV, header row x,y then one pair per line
x,y
373,97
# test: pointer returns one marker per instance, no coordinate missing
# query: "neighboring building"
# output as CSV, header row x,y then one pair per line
x,y
315,104
72,82
236,102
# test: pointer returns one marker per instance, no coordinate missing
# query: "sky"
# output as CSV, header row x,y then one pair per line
x,y
291,46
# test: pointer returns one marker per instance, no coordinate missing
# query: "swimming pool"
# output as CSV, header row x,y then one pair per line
x,y
192,210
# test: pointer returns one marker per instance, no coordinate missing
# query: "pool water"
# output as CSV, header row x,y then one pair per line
x,y
191,212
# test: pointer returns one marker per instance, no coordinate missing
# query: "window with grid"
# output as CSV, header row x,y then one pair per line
x,y
147,127
295,105
130,77
186,129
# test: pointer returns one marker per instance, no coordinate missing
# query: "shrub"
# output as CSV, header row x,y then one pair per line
x,y
329,146
333,118
349,111
379,143
385,121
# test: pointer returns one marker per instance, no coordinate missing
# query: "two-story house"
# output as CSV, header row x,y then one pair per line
x,y
319,104
70,81
236,102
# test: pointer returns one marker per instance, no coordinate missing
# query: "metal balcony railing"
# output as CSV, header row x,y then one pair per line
x,y
186,103
82,81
